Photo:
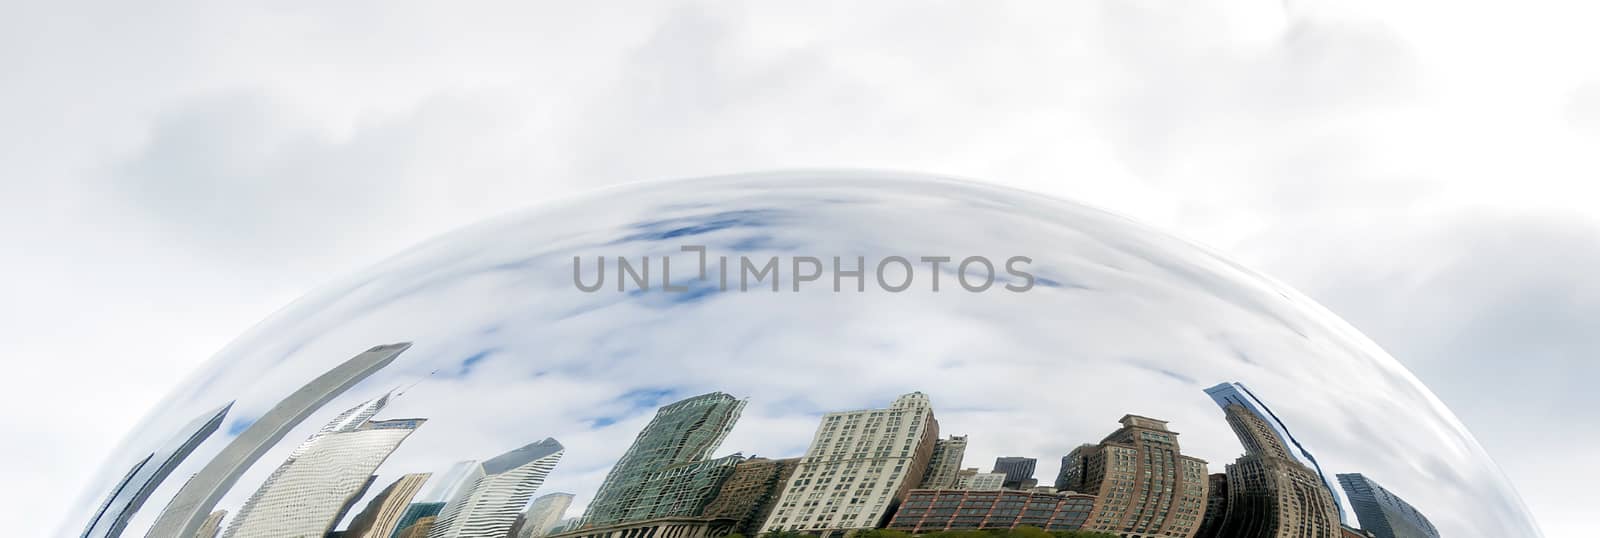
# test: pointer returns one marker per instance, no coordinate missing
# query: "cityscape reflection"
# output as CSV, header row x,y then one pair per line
x,y
1135,387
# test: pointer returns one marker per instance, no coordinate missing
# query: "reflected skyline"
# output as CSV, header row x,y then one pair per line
x,y
891,468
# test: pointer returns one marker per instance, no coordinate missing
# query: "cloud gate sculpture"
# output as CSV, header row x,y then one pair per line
x,y
802,353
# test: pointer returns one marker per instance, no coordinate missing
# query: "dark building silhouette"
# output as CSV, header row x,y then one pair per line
x,y
1018,471
1383,513
1216,507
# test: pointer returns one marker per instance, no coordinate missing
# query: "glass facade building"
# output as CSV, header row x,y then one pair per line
x,y
665,471
1383,513
928,510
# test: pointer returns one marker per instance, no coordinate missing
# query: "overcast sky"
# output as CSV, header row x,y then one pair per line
x,y
171,174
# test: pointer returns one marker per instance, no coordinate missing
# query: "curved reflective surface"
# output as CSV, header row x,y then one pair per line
x,y
821,353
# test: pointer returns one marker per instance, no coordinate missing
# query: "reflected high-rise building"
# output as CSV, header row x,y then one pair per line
x,y
976,481
543,515
383,513
311,490
1018,471
945,464
859,466
212,526
1216,507
1226,394
933,510
1383,513
415,514
1270,493
665,471
1143,486
189,508
751,492
505,483
455,481
422,528
135,488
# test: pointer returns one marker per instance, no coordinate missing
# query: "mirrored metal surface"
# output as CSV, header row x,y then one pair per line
x,y
805,352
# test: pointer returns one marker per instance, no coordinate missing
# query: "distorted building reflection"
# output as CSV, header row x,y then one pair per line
x,y
1018,471
1236,394
665,473
418,519
500,488
310,491
859,466
1216,506
1270,493
544,514
142,480
973,480
212,526
750,493
193,504
934,510
382,515
1143,486
944,467
1383,513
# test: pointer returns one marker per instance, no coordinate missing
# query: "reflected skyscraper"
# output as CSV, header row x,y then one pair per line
x,y
860,465
1226,394
309,492
1216,507
543,515
1270,493
457,480
1143,486
504,485
135,488
383,513
1383,513
945,463
212,525
415,514
931,510
1018,471
189,508
976,481
665,471
419,529
750,493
